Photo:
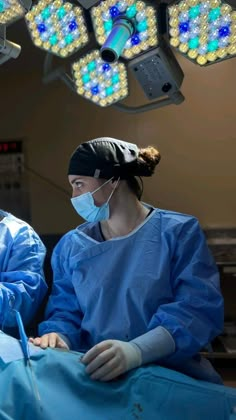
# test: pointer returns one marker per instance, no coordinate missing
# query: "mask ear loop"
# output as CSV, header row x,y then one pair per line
x,y
117,182
97,189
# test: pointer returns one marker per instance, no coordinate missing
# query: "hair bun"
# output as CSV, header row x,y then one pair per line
x,y
148,159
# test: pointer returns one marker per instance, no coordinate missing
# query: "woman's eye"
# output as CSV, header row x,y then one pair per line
x,y
78,184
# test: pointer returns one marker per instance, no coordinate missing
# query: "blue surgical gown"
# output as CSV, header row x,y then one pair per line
x,y
22,284
161,274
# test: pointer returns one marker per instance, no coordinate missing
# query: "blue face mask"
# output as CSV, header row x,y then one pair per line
x,y
85,207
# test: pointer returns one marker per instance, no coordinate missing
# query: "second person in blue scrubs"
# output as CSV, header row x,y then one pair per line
x,y
22,283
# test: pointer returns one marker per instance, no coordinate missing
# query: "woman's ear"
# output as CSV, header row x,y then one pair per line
x,y
114,182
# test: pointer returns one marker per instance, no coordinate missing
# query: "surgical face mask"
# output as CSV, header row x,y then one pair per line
x,y
86,208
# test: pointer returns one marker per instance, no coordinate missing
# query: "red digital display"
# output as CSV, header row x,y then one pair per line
x,y
10,146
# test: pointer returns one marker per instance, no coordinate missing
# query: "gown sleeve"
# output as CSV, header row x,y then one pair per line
x,y
63,314
22,283
196,314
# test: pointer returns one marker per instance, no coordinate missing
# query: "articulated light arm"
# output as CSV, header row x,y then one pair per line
x,y
8,49
178,99
87,4
60,74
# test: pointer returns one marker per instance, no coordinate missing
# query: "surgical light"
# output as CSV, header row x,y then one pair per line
x,y
203,30
108,18
11,10
159,73
57,27
101,82
8,49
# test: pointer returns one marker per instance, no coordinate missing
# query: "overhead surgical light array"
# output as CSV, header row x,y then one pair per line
x,y
110,39
124,31
8,49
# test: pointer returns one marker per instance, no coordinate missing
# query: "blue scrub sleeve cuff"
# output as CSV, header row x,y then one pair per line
x,y
65,338
155,344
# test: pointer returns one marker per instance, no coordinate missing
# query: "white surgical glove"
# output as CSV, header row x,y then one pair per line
x,y
111,358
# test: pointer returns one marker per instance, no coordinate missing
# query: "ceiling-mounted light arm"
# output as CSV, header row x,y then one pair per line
x,y
87,4
178,99
50,75
68,81
8,49
47,64
59,73
3,58
26,4
56,74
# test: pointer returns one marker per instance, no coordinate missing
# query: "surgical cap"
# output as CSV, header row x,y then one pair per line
x,y
104,157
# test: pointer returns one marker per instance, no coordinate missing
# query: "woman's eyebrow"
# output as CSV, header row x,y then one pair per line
x,y
75,180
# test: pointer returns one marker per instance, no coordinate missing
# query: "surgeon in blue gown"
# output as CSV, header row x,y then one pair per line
x,y
134,284
22,283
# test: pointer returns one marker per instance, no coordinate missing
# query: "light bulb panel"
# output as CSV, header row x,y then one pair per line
x,y
143,17
10,11
204,31
57,27
100,82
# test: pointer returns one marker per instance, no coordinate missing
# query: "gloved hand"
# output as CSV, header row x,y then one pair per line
x,y
111,358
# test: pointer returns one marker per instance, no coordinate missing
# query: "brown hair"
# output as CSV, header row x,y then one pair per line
x,y
148,159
